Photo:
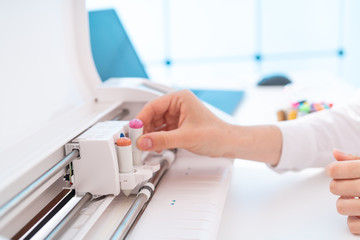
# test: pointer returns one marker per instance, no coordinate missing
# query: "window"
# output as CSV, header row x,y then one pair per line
x,y
192,42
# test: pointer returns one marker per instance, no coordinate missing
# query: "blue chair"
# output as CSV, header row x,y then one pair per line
x,y
115,56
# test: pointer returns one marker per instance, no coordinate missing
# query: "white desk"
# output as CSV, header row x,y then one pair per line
x,y
263,204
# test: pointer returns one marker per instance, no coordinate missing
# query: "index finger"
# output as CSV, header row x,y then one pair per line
x,y
344,170
156,109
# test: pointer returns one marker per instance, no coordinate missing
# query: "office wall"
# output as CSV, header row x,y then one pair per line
x,y
198,42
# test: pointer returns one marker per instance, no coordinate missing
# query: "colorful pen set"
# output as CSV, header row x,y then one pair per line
x,y
301,108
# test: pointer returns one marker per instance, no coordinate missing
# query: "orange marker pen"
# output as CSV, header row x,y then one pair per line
x,y
124,154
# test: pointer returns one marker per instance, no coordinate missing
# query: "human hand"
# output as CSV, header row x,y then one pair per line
x,y
346,183
180,120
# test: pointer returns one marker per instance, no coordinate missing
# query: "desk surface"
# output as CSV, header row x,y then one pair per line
x,y
262,204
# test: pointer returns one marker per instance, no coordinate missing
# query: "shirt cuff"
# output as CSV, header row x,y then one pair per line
x,y
298,146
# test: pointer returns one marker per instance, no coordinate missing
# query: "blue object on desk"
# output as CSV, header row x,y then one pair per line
x,y
113,53
115,56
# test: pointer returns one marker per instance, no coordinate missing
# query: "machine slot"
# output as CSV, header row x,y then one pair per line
x,y
38,182
41,214
124,112
69,218
45,215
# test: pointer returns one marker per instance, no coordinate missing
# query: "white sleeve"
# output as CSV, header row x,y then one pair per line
x,y
309,141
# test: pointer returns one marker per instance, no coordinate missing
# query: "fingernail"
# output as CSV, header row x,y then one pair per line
x,y
341,152
145,143
348,155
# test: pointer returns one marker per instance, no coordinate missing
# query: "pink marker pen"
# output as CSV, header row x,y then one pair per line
x,y
136,131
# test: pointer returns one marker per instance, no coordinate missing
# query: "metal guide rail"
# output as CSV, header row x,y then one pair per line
x,y
139,205
60,166
98,146
21,196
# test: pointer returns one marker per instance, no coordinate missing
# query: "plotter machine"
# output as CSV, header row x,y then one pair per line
x,y
62,174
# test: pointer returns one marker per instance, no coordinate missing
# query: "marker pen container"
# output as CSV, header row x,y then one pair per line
x,y
124,154
136,131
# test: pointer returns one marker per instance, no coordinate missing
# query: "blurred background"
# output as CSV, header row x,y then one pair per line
x,y
234,43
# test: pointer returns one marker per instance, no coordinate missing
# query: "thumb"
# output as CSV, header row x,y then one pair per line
x,y
157,141
341,156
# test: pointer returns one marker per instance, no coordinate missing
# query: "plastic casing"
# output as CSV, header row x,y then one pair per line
x,y
50,91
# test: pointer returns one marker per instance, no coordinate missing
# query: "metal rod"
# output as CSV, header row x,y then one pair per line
x,y
121,115
49,215
38,182
138,205
164,165
69,218
42,215
130,217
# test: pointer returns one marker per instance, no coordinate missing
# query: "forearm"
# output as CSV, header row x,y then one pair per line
x,y
298,144
258,143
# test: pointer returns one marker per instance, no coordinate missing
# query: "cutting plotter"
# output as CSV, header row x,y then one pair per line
x,y
61,175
